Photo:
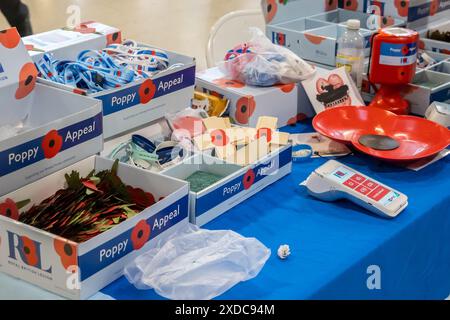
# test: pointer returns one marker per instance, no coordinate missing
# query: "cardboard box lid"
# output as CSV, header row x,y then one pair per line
x,y
14,56
17,78
60,38
281,11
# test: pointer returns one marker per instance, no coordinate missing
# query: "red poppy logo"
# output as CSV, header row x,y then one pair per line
x,y
147,91
29,251
9,209
434,6
140,197
331,5
387,21
405,50
228,83
350,5
249,178
314,39
264,132
115,37
219,138
402,7
286,88
299,117
52,144
140,234
27,80
9,38
67,252
270,10
245,107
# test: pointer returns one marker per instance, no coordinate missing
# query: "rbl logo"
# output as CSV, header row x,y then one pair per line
x,y
22,248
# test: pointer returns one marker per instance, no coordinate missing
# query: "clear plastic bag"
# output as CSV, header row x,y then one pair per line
x,y
198,264
262,63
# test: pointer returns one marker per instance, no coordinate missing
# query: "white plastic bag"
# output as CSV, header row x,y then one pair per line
x,y
198,264
262,63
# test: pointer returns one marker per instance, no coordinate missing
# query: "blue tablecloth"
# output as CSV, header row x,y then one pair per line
x,y
334,244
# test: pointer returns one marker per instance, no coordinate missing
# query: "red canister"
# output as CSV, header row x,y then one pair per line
x,y
393,57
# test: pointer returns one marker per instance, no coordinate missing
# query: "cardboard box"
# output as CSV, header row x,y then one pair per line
x,y
436,46
61,127
129,107
429,85
288,103
77,271
314,36
416,12
239,184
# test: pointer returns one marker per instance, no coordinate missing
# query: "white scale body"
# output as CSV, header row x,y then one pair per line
x,y
333,181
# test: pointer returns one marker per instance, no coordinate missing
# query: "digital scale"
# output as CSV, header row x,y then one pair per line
x,y
333,181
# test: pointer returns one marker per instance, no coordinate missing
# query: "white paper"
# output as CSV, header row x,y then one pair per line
x,y
332,88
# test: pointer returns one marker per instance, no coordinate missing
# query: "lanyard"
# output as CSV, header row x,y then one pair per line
x,y
142,152
112,67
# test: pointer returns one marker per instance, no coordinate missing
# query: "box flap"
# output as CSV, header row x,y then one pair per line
x,y
18,76
276,11
15,64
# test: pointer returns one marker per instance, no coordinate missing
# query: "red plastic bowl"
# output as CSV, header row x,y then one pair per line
x,y
418,138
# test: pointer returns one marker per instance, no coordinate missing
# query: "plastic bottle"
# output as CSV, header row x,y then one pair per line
x,y
351,51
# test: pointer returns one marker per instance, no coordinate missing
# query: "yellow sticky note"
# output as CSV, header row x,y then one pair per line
x,y
267,122
213,123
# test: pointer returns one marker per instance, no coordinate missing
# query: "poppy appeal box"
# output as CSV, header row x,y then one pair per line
x,y
289,103
60,128
136,103
237,183
78,270
311,28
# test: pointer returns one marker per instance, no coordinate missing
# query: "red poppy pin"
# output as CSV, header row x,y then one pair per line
x,y
10,209
27,80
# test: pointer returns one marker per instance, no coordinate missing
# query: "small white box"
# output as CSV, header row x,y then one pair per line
x,y
288,103
77,271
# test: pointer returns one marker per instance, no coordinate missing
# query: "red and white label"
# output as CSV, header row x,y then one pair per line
x,y
370,184
363,190
358,178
